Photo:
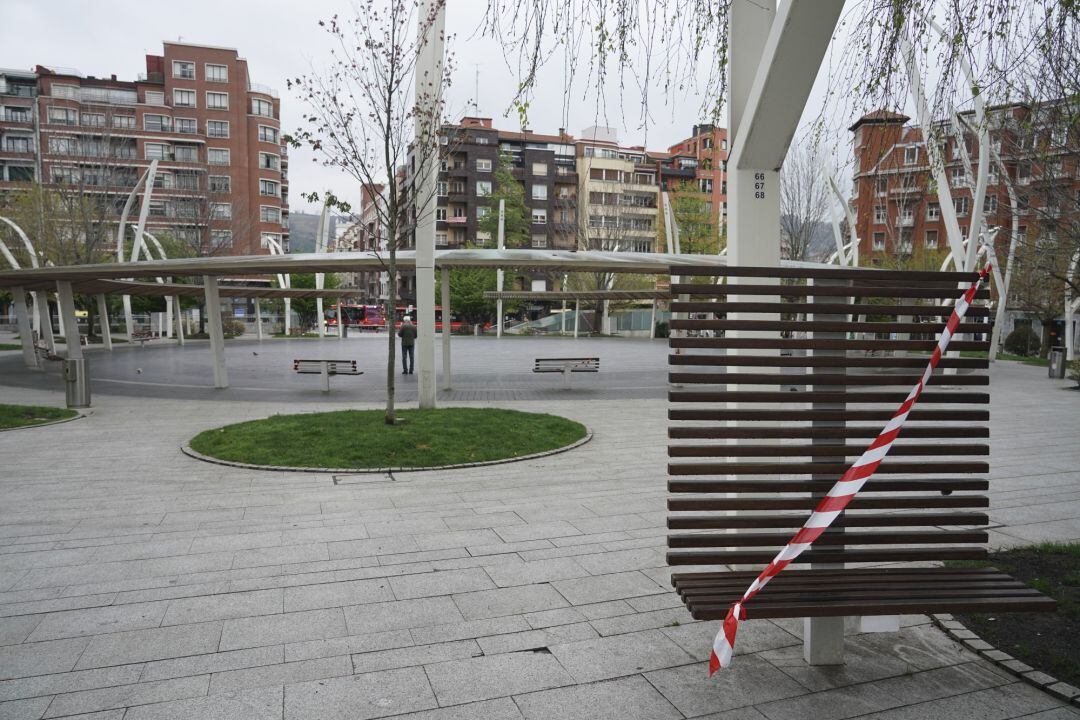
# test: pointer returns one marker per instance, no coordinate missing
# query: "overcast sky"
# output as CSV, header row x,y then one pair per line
x,y
281,38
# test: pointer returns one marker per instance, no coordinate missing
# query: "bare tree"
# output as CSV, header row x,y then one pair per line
x,y
804,202
365,120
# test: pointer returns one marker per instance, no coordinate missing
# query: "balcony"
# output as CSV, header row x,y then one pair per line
x,y
565,201
17,117
905,190
263,89
457,220
458,171
26,91
908,221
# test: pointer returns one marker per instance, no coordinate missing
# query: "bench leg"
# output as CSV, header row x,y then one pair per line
x,y
566,378
325,378
879,623
823,640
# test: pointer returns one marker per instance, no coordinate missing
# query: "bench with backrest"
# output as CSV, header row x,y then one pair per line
x,y
141,336
566,366
749,462
326,368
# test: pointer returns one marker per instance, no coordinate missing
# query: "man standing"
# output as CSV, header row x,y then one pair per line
x,y
407,333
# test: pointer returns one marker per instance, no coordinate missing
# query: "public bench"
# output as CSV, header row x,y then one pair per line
x,y
141,336
566,366
749,462
326,368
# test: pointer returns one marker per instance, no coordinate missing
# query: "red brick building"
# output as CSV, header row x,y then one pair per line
x,y
222,179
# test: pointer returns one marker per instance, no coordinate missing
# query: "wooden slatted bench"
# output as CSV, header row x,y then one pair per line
x,y
142,336
566,366
326,368
749,462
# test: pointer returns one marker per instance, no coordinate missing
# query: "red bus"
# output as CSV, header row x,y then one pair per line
x,y
362,317
410,312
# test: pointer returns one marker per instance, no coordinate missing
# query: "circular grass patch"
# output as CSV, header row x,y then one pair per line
x,y
360,439
15,416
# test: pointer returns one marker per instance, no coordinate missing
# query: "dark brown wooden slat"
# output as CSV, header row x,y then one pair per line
x,y
778,540
944,311
726,343
825,396
894,607
744,485
828,273
829,575
826,326
861,502
837,415
847,379
706,599
884,291
897,450
688,432
729,557
807,468
776,520
812,361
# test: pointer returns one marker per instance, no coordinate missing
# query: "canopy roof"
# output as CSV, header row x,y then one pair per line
x,y
578,295
154,289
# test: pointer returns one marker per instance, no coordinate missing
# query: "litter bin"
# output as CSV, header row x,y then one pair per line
x,y
1057,362
76,383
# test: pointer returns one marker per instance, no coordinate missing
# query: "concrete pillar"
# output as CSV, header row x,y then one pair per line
x,y
179,317
258,319
45,317
562,319
320,321
652,321
340,319
288,316
35,314
59,319
499,274
213,327
129,321
65,298
577,317
446,329
26,332
168,316
103,321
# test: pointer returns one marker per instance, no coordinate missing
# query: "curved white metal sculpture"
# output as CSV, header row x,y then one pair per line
x,y
146,181
35,314
284,280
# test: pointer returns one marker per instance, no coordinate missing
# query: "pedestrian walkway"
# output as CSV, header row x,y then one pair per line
x,y
138,583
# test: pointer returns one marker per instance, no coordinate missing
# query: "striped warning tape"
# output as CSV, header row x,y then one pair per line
x,y
841,493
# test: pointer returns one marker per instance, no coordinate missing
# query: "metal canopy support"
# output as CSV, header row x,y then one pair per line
x,y
45,319
103,320
65,299
446,328
341,326
179,318
652,321
258,319
562,319
26,333
499,275
577,316
213,326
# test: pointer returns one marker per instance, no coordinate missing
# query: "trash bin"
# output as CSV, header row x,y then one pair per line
x,y
1057,362
76,383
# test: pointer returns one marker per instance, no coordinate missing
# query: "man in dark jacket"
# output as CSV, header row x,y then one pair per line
x,y
407,333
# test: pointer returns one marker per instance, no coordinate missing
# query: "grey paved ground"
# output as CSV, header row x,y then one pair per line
x,y
138,583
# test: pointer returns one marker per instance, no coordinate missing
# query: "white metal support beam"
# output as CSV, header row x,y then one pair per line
x,y
179,318
499,275
103,321
45,319
213,326
65,298
26,334
446,328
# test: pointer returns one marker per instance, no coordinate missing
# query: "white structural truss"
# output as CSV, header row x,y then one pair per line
x,y
322,243
146,181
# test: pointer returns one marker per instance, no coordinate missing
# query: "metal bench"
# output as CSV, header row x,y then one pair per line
x,y
750,462
326,368
566,366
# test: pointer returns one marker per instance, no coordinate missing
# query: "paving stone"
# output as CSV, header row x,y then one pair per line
x,y
470,629
631,697
482,520
281,555
538,571
501,709
401,614
29,709
14,630
642,621
337,594
127,695
1040,678
337,533
448,582
59,683
282,628
213,662
1064,690
391,692
414,655
455,539
153,644
558,616
223,607
372,547
462,681
40,658
696,638
257,704
508,601
279,674
1016,666
998,703
600,588
347,644
610,657
532,639
95,621
423,556
537,531
501,547
748,681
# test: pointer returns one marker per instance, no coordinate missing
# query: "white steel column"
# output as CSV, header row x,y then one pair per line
x,y
179,318
288,316
340,319
213,327
258,319
26,333
168,316
562,318
103,320
499,275
45,316
577,317
652,321
65,298
59,319
446,328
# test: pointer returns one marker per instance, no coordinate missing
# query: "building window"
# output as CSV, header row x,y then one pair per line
x,y
183,69
262,107
92,120
879,241
270,214
268,134
440,239
62,116
217,128
270,239
440,213
123,122
217,156
183,98
957,177
907,214
540,169
991,204
482,238
539,192
18,144
187,126
933,211
155,97
269,161
539,216
220,183
483,165
157,123
155,151
931,240
217,100
441,188
221,211
911,155
539,241
268,187
483,188
186,153
880,216
961,205
705,185
186,179
217,73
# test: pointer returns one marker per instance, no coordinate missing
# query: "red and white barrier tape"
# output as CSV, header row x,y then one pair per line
x,y
842,492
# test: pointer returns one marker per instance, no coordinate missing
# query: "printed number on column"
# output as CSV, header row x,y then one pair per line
x,y
759,186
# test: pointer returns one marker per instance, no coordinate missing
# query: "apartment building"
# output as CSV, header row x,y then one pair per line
x,y
696,168
222,179
896,205
618,191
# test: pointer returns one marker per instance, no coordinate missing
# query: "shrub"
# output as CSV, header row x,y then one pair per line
x,y
663,330
232,328
1074,371
1022,341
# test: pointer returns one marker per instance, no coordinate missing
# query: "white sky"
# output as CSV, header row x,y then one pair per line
x,y
281,38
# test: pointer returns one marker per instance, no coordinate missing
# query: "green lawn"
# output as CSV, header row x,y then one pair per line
x,y
360,438
9,346
13,416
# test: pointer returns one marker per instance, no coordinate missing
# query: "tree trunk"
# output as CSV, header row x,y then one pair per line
x,y
391,356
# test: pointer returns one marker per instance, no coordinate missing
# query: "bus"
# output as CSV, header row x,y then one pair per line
x,y
456,323
361,317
